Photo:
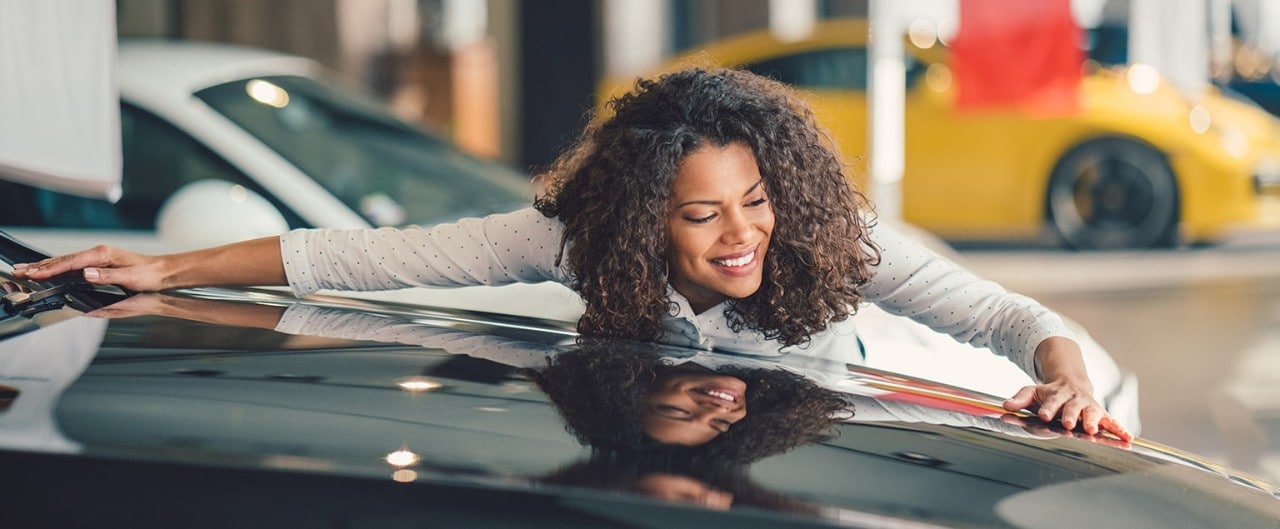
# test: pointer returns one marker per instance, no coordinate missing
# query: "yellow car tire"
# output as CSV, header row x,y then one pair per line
x,y
1113,193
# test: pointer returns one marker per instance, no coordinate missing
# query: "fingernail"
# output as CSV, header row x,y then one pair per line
x,y
91,273
21,266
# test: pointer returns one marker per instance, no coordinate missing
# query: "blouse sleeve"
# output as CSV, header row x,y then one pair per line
x,y
499,249
309,320
915,282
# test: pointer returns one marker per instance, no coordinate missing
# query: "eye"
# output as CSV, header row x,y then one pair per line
x,y
672,411
757,202
701,220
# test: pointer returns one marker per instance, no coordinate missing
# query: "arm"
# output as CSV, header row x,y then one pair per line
x,y
254,262
498,249
913,281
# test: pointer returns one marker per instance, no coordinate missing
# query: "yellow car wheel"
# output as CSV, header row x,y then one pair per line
x,y
1113,193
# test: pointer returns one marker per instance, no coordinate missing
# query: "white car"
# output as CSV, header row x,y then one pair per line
x,y
224,143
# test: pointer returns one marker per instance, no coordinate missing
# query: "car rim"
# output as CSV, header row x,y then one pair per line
x,y
1112,196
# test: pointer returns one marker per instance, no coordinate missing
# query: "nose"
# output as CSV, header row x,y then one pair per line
x,y
737,229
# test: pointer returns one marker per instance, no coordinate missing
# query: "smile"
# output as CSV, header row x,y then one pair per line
x,y
736,262
719,394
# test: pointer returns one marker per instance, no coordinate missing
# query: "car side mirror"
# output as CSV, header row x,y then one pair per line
x,y
212,212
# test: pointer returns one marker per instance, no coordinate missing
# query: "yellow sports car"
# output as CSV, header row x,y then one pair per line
x,y
1139,166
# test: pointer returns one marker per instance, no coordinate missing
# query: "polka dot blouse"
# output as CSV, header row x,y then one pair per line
x,y
522,246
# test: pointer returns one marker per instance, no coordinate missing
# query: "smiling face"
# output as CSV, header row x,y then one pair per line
x,y
719,225
691,406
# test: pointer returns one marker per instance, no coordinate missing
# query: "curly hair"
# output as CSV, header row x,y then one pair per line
x,y
613,187
600,391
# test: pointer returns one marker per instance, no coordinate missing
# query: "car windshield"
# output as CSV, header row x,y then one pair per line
x,y
387,170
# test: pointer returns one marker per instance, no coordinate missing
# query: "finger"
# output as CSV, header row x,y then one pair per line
x,y
1023,399
97,256
1110,425
1051,404
1091,417
127,277
1072,413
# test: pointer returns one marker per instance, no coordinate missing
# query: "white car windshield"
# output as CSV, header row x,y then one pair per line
x,y
391,172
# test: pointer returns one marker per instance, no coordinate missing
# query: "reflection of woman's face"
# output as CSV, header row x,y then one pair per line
x,y
691,406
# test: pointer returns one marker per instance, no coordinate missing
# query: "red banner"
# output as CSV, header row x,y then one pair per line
x,y
1020,55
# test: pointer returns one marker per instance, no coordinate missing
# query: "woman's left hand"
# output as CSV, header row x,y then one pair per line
x,y
1066,393
1071,403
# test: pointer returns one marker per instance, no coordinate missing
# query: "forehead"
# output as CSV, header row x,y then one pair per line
x,y
716,169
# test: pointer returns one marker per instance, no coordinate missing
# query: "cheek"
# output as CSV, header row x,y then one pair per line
x,y
684,245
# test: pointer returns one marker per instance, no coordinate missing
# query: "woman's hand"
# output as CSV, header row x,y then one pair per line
x,y
1069,402
101,265
1066,393
254,262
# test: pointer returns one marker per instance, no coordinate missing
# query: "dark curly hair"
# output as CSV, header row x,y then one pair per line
x,y
600,390
612,191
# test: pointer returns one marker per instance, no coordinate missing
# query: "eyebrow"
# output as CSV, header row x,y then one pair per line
x,y
750,190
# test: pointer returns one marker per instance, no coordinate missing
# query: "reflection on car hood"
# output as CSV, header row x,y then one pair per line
x,y
193,419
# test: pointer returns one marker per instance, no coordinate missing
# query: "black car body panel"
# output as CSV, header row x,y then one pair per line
x,y
156,421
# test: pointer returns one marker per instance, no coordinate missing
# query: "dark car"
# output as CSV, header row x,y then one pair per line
x,y
247,408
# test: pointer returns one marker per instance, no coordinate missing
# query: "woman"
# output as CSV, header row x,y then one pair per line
x,y
709,210
616,395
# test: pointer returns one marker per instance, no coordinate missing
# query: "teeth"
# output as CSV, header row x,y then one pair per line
x,y
740,261
720,395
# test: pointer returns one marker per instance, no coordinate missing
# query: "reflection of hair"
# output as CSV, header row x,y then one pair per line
x,y
611,191
600,391
621,470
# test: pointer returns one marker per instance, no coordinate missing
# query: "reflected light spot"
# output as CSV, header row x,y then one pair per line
x,y
947,30
267,93
418,384
1143,79
938,77
239,194
1235,142
402,458
922,34
404,475
491,409
1200,119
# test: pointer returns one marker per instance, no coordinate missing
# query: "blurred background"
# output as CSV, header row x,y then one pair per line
x,y
1117,159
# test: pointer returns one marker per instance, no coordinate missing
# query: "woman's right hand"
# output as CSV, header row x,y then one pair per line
x,y
101,265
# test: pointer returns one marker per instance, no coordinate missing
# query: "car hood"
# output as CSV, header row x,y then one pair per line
x,y
405,414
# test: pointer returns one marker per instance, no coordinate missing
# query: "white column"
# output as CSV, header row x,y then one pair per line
x,y
635,35
1173,36
885,99
791,20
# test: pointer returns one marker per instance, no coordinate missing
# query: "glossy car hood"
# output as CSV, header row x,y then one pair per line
x,y
189,410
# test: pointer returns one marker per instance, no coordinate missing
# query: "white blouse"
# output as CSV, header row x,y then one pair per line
x,y
522,247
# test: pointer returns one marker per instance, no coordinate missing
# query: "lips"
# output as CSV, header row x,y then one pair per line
x,y
737,262
725,395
